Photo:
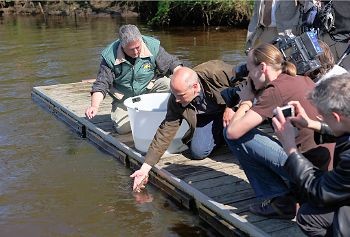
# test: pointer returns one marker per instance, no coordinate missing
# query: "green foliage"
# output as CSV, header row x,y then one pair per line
x,y
155,13
210,12
162,16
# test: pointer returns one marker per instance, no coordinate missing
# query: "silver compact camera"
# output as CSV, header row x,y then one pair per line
x,y
287,110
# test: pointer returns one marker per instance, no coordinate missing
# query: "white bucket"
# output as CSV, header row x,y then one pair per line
x,y
146,112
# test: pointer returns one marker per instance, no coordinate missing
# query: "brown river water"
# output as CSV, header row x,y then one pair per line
x,y
54,183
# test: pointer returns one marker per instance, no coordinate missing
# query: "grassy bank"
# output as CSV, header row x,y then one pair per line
x,y
155,13
208,13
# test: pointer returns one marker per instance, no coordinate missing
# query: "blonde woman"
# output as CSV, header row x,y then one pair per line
x,y
261,156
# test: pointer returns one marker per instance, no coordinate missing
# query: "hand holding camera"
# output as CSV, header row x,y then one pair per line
x,y
284,129
287,111
285,126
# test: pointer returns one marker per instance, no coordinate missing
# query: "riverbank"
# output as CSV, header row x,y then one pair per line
x,y
155,13
70,8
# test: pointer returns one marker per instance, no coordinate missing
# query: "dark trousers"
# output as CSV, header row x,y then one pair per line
x,y
207,136
317,221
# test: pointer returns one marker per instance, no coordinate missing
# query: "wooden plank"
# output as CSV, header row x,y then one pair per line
x,y
203,176
171,159
273,225
106,146
204,162
207,161
185,170
103,118
218,223
219,181
216,172
188,171
287,232
238,206
233,198
223,192
183,159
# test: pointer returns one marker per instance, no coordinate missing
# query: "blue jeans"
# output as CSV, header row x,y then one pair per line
x,y
262,159
207,135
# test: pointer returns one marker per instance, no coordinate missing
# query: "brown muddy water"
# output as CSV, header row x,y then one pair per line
x,y
54,183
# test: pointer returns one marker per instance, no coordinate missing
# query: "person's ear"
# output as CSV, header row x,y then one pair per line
x,y
336,116
195,85
263,67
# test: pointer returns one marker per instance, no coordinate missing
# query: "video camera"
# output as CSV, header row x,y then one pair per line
x,y
301,50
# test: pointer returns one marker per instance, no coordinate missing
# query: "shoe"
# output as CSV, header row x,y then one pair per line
x,y
277,208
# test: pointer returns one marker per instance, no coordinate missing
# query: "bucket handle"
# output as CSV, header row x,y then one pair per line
x,y
136,99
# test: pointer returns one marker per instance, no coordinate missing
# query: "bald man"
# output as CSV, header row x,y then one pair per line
x,y
195,97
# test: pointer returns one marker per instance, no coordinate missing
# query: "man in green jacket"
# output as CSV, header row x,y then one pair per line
x,y
130,66
196,98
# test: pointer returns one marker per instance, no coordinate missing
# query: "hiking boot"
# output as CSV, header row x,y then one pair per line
x,y
277,208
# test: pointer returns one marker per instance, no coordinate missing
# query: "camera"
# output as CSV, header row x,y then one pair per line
x,y
301,50
321,17
287,110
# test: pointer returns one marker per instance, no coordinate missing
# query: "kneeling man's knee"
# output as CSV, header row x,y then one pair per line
x,y
198,153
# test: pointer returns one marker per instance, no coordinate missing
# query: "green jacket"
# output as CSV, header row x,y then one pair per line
x,y
214,76
132,80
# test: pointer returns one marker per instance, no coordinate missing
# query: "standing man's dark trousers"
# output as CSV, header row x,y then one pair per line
x,y
317,221
337,49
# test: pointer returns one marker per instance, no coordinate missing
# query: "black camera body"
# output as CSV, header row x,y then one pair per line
x,y
301,50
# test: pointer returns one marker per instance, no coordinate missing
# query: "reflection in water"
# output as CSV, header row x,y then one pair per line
x,y
53,183
143,196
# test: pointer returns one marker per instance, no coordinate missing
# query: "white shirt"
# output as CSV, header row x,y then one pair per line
x,y
336,70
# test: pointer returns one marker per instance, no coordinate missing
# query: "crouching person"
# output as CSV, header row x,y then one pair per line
x,y
195,97
130,66
260,155
326,210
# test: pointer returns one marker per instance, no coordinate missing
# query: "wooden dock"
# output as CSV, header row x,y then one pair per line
x,y
214,188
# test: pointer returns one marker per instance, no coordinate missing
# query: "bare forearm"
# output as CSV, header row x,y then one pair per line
x,y
96,99
239,124
314,125
242,109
